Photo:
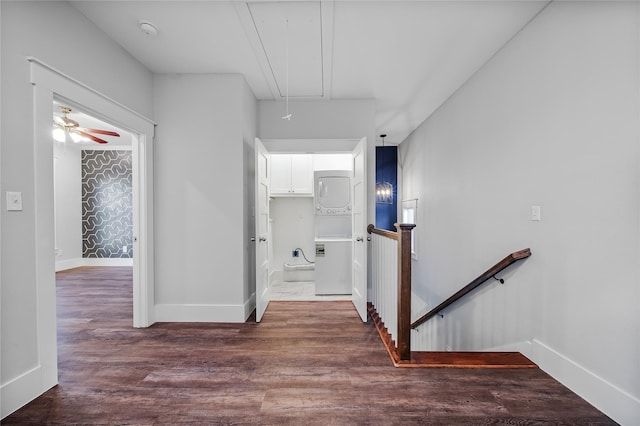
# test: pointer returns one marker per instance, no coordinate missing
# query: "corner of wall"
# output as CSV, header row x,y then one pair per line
x,y
249,306
623,407
20,391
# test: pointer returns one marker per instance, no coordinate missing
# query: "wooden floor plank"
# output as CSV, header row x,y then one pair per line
x,y
306,363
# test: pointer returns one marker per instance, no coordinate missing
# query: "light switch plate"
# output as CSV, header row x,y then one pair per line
x,y
14,201
535,213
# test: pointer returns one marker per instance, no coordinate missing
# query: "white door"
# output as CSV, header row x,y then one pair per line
x,y
262,229
359,218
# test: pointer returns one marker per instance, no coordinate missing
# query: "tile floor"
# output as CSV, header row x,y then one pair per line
x,y
301,290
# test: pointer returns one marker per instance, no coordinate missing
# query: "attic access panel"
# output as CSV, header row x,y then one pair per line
x,y
298,24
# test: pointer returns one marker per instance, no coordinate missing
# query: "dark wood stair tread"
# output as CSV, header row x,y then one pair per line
x,y
448,359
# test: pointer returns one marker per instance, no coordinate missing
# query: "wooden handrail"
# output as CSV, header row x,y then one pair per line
x,y
389,234
510,259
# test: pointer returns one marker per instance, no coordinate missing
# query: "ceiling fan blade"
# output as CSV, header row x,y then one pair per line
x,y
58,120
101,132
87,135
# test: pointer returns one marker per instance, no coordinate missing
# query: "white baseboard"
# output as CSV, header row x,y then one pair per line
x,y
63,265
200,313
524,347
621,406
20,391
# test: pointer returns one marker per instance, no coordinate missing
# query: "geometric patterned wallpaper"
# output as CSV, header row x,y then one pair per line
x,y
107,205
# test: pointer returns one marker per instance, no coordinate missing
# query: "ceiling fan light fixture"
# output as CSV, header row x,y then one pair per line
x,y
59,135
148,28
76,137
63,125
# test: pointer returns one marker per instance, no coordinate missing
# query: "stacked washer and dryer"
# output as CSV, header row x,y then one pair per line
x,y
332,202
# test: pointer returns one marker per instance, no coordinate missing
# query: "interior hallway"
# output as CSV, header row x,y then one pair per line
x,y
305,363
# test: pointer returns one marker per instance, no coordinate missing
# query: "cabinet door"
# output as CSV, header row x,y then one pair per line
x,y
302,174
280,174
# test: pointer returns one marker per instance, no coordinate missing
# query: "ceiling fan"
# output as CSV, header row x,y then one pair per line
x,y
63,125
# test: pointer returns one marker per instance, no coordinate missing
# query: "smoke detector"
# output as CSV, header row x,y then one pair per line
x,y
148,28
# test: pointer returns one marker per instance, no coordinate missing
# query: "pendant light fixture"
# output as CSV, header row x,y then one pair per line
x,y
384,189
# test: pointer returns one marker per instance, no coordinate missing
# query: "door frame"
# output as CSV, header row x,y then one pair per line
x,y
319,146
49,83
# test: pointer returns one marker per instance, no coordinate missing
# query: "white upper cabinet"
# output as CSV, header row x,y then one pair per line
x,y
291,174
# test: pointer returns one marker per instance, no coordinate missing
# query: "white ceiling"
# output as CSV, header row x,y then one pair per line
x,y
410,56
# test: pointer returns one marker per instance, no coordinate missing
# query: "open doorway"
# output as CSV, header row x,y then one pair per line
x,y
48,85
93,192
294,229
303,241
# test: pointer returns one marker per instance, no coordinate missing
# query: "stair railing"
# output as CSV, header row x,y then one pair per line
x,y
490,273
391,282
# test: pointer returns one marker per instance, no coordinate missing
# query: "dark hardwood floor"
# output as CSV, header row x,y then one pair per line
x,y
306,363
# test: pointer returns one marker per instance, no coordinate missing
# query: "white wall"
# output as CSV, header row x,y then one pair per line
x,y
292,227
68,203
552,120
330,120
332,162
37,29
201,194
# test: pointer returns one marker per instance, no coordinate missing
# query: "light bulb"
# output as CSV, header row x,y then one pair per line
x,y
76,137
59,135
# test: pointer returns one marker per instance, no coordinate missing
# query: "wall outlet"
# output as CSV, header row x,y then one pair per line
x,y
14,201
295,253
124,249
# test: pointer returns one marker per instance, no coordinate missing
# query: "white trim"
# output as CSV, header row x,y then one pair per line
x,y
20,391
44,237
49,83
621,406
62,86
524,347
36,74
310,146
126,261
201,312
107,148
63,265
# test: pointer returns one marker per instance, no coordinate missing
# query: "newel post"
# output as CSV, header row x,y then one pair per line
x,y
404,290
